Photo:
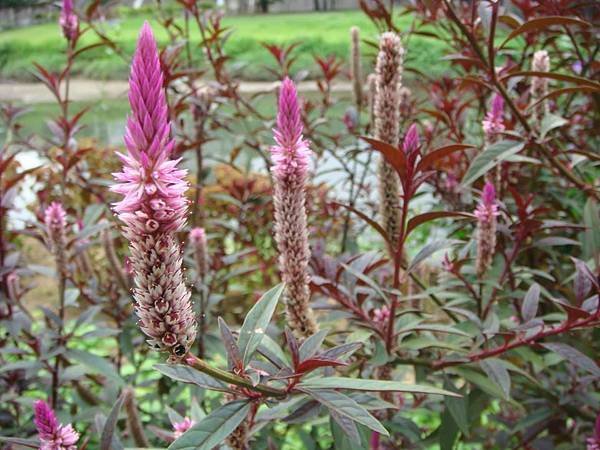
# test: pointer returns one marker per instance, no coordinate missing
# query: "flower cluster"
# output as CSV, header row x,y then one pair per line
x,y
486,213
181,427
593,443
154,208
355,66
539,85
493,124
291,158
386,112
68,20
53,436
55,219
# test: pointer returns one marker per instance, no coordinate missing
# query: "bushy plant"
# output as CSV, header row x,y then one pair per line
x,y
415,265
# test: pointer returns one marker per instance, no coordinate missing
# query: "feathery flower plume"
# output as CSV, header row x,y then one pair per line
x,y
198,240
593,443
494,119
291,157
154,208
181,427
53,436
68,20
355,67
539,85
387,127
55,219
486,213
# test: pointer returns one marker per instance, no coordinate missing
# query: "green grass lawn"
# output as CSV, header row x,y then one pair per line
x,y
317,34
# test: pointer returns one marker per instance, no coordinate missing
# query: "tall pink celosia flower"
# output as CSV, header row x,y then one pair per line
x,y
68,20
154,208
386,110
493,124
53,436
291,157
593,443
198,241
486,213
539,85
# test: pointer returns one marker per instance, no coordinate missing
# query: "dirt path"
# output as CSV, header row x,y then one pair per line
x,y
85,90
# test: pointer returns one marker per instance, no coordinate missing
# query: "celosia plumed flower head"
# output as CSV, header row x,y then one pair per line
x,y
68,20
355,66
494,119
291,157
154,207
55,219
386,110
53,436
486,213
539,85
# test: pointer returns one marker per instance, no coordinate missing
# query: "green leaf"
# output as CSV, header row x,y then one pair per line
x,y
489,158
549,123
591,235
530,302
108,439
345,406
312,344
256,322
188,374
481,381
447,432
498,373
31,443
342,441
458,408
429,250
367,280
214,428
96,364
357,384
575,357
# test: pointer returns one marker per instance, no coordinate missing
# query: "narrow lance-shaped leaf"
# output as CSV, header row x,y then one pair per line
x,y
530,303
256,322
214,428
371,385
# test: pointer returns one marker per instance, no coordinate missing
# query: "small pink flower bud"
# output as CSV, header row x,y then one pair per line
x,y
181,427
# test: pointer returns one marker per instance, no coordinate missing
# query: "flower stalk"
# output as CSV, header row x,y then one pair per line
x,y
291,158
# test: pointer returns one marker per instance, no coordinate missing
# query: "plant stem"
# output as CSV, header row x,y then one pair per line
x,y
227,377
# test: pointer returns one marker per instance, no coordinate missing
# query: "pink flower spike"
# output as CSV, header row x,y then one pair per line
x,y
486,213
52,435
493,124
68,20
411,140
291,158
291,155
45,420
154,208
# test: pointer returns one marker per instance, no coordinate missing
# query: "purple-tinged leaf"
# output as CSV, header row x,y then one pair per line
x,y
575,357
530,302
